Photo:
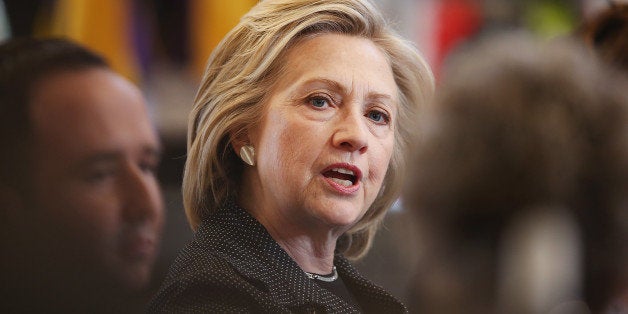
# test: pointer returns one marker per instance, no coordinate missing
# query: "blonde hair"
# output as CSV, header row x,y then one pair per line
x,y
244,67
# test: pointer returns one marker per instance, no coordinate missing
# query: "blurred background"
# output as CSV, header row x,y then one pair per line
x,y
162,46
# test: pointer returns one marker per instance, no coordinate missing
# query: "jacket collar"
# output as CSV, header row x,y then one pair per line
x,y
244,242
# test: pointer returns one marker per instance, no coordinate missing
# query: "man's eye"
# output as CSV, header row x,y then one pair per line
x,y
99,175
149,167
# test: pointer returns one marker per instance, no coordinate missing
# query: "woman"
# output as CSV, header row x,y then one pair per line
x,y
296,148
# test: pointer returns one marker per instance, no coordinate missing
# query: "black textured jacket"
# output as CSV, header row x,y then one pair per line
x,y
234,265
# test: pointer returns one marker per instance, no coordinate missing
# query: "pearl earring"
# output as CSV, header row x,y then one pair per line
x,y
247,153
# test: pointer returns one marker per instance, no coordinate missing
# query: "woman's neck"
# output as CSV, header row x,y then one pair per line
x,y
309,242
313,250
312,256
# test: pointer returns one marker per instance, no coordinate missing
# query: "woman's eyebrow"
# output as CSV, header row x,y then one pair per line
x,y
317,83
381,97
339,88
323,82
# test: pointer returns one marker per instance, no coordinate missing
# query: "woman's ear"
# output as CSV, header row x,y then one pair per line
x,y
237,140
243,148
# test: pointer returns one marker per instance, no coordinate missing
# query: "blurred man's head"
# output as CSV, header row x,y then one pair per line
x,y
81,205
522,180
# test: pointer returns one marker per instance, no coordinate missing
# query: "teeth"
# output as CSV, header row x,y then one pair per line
x,y
342,182
343,170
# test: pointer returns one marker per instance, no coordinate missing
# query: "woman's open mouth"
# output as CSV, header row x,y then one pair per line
x,y
344,177
341,176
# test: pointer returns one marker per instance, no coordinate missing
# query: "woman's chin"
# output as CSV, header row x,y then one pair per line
x,y
341,219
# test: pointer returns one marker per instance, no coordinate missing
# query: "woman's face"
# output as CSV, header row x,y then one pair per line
x,y
326,138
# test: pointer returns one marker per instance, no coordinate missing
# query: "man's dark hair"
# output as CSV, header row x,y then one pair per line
x,y
23,63
522,126
607,34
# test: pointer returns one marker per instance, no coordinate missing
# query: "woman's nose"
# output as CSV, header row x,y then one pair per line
x,y
351,133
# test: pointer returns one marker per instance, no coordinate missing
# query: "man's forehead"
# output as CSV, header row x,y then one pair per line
x,y
81,112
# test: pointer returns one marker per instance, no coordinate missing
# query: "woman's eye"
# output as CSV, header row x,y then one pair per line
x,y
319,102
378,116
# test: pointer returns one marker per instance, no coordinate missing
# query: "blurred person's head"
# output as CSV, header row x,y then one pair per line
x,y
607,34
279,43
521,182
81,206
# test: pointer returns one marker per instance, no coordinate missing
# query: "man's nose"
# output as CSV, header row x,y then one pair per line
x,y
142,196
